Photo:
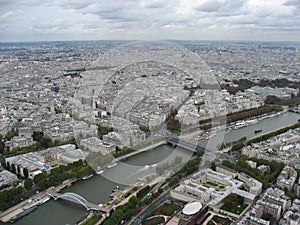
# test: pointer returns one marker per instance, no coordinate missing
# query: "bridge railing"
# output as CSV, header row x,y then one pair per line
x,y
73,197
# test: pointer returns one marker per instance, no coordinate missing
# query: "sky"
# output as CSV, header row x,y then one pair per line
x,y
54,20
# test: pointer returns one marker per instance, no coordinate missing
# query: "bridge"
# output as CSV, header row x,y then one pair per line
x,y
75,198
184,144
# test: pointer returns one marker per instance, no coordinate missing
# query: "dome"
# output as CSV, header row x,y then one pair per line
x,y
192,208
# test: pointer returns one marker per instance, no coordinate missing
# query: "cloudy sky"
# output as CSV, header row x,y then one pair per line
x,y
38,20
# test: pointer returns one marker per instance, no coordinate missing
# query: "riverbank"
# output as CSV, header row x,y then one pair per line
x,y
21,208
99,188
35,200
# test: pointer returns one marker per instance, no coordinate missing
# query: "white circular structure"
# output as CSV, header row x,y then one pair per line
x,y
192,208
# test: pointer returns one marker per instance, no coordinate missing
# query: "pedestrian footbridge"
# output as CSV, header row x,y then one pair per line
x,y
75,198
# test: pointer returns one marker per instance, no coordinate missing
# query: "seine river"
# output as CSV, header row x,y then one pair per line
x,y
97,189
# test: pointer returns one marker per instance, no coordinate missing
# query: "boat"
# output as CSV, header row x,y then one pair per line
x,y
99,172
87,177
44,201
257,131
123,159
146,167
154,165
116,189
112,165
239,125
252,122
21,214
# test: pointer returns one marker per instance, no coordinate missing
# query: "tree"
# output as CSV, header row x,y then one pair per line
x,y
128,214
13,168
2,147
8,166
171,121
272,100
11,197
45,142
213,166
3,163
133,201
25,172
237,146
40,177
144,128
102,130
36,136
293,95
10,134
28,183
18,170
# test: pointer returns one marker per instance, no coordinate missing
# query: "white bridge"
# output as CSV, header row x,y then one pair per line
x,y
75,198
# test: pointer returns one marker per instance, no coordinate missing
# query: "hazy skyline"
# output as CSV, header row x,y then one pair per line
x,y
45,20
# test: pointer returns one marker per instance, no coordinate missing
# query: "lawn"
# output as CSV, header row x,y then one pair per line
x,y
236,210
167,209
234,203
220,220
212,183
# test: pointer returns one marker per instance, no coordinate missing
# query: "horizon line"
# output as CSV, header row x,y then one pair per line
x,y
128,40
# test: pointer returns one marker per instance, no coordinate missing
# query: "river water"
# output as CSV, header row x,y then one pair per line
x,y
98,188
266,125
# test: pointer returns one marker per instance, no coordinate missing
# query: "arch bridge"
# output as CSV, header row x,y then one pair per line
x,y
174,140
76,198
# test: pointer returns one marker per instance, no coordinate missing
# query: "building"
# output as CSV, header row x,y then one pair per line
x,y
116,139
25,131
251,185
287,178
210,187
66,154
34,162
7,177
297,189
94,144
291,216
192,213
250,220
271,202
265,91
53,154
263,169
226,170
72,156
19,141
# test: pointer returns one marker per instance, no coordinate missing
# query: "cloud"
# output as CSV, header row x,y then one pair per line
x,y
209,6
8,17
139,19
295,3
73,4
227,7
153,4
